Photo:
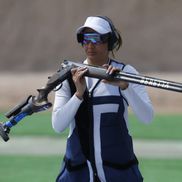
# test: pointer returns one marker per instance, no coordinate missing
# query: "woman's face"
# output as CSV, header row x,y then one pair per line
x,y
96,53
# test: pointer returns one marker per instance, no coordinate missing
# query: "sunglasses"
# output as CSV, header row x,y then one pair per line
x,y
94,38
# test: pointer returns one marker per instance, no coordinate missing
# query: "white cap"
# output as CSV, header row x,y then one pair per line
x,y
98,24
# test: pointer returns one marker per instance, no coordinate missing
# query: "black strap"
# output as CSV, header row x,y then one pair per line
x,y
125,166
71,84
121,166
96,178
82,119
71,167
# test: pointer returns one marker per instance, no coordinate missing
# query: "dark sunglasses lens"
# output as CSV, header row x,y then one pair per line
x,y
91,37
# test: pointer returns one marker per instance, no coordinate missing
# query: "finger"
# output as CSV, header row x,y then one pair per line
x,y
82,72
73,71
105,66
104,81
76,71
82,68
114,70
109,69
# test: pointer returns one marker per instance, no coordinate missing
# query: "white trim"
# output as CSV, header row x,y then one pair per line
x,y
97,111
90,171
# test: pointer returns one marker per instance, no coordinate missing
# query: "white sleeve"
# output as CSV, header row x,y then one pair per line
x,y
64,108
138,99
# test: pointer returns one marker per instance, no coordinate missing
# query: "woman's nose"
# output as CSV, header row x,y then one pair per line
x,y
90,44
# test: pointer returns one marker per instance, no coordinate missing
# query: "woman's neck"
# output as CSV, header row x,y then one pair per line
x,y
98,62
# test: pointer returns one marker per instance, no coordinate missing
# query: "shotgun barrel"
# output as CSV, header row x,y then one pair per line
x,y
100,72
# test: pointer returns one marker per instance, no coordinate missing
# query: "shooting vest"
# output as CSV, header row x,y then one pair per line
x,y
100,135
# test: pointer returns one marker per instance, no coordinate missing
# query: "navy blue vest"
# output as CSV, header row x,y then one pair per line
x,y
116,143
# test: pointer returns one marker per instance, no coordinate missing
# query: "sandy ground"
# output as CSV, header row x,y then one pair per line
x,y
39,146
16,87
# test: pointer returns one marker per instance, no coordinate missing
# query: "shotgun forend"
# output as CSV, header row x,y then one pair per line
x,y
100,72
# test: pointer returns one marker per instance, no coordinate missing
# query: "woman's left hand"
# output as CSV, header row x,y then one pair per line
x,y
111,70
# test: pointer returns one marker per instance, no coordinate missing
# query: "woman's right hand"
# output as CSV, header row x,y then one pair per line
x,y
79,80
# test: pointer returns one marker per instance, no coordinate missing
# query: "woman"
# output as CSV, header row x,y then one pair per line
x,y
99,147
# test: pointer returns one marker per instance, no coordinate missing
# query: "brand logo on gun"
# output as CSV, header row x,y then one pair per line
x,y
155,83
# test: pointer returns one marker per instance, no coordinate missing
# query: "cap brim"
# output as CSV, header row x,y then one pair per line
x,y
98,29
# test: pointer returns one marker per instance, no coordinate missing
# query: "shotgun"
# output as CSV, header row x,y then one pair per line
x,y
100,72
39,103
